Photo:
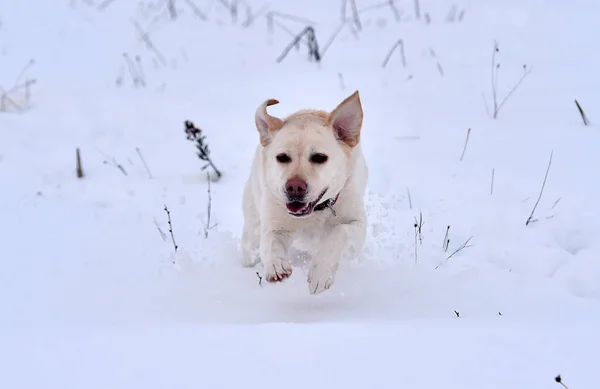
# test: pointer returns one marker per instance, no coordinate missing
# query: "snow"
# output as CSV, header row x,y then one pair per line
x,y
93,294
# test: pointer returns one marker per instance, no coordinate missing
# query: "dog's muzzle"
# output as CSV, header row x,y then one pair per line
x,y
299,208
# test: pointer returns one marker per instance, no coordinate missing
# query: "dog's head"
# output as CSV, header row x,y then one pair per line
x,y
307,156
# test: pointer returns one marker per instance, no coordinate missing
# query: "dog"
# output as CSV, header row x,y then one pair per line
x,y
306,192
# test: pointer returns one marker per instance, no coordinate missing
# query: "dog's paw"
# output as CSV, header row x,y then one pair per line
x,y
250,261
320,278
278,271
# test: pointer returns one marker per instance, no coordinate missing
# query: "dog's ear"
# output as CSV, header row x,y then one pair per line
x,y
346,120
265,123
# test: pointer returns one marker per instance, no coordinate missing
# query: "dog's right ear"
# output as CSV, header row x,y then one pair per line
x,y
265,123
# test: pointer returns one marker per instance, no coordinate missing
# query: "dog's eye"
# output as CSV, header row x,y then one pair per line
x,y
283,158
318,158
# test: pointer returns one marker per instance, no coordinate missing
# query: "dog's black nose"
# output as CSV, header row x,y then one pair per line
x,y
295,188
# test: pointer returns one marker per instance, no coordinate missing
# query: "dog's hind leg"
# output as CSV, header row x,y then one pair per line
x,y
251,229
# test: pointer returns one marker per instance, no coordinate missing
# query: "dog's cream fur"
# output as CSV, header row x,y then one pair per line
x,y
272,233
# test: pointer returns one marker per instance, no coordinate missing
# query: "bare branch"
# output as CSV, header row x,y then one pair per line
x,y
78,167
171,228
355,14
526,72
495,70
418,237
196,10
149,44
313,47
446,239
394,9
466,143
530,218
252,17
208,227
558,379
399,44
462,247
144,162
114,162
102,6
582,113
160,231
417,10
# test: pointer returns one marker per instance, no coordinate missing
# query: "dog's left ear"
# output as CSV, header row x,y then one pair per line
x,y
265,123
346,120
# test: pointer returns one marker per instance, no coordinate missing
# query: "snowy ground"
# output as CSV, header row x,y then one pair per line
x,y
93,295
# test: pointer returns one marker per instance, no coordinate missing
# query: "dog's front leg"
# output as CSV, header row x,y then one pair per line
x,y
343,239
272,253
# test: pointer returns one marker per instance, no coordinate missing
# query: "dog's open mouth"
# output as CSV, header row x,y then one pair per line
x,y
299,208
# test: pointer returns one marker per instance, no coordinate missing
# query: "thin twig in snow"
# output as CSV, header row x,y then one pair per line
x,y
114,162
149,44
416,246
417,10
78,167
395,10
333,36
409,198
171,228
135,70
558,379
463,246
451,14
208,226
19,95
466,143
355,13
196,10
29,64
345,22
582,113
439,68
495,69
418,232
160,231
341,78
526,72
530,218
292,18
492,183
446,239
172,9
252,17
399,44
313,46
144,162
102,6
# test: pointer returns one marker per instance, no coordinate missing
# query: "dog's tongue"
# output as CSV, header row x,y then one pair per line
x,y
296,206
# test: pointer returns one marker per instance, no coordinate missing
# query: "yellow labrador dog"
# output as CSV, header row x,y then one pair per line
x,y
306,192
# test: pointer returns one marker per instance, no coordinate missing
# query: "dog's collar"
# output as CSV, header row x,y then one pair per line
x,y
326,204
